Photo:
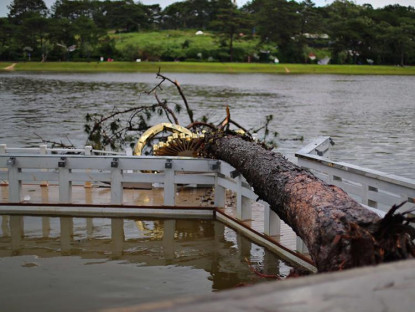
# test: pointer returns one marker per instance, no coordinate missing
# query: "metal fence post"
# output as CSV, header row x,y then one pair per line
x,y
3,150
88,152
300,246
116,184
220,193
372,203
15,184
272,222
169,184
365,195
43,151
65,183
243,204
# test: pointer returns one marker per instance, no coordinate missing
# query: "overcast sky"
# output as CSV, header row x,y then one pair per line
x,y
375,3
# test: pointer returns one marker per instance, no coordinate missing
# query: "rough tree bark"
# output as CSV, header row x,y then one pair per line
x,y
338,232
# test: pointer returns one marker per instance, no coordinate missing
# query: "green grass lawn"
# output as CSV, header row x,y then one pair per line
x,y
180,44
164,39
208,67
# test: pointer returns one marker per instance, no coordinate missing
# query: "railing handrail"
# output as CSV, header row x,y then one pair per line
x,y
103,168
312,151
375,188
44,149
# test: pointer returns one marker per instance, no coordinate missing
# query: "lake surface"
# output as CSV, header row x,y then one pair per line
x,y
370,118
84,264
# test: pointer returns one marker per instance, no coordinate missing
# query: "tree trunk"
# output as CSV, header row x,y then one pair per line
x,y
338,232
231,47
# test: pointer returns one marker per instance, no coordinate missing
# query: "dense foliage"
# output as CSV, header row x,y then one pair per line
x,y
262,30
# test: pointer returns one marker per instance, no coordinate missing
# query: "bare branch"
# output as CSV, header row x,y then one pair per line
x,y
201,124
225,122
54,143
166,108
189,111
240,127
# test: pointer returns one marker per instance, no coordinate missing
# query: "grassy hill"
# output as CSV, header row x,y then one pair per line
x,y
170,45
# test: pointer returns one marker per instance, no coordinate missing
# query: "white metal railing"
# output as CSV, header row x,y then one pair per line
x,y
43,149
67,170
376,190
17,167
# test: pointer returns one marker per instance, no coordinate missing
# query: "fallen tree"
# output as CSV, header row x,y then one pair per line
x,y
338,232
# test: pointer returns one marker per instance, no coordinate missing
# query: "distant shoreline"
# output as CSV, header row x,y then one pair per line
x,y
200,67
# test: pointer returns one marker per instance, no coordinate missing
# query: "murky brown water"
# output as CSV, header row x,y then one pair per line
x,y
79,264
371,118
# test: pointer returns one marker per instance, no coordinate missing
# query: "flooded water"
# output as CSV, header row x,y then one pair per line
x,y
97,263
83,264
370,118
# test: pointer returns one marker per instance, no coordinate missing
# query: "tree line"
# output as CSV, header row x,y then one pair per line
x,y
298,32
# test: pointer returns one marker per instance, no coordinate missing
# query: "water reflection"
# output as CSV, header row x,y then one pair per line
x,y
141,246
371,118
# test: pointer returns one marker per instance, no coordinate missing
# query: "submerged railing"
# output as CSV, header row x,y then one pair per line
x,y
21,166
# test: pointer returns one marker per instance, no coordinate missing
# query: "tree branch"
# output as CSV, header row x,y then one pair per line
x,y
166,108
189,111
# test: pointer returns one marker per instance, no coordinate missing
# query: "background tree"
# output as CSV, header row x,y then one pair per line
x,y
310,18
20,9
396,32
62,36
34,32
230,23
125,16
7,32
279,21
199,13
74,9
87,36
344,22
286,28
174,16
29,18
